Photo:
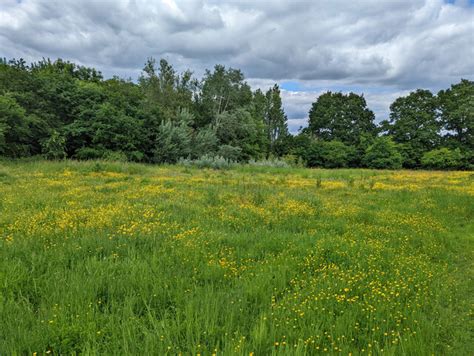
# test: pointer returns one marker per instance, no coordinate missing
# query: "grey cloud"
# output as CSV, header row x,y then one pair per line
x,y
392,45
397,42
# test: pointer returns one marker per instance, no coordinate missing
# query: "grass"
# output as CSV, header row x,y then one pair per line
x,y
99,257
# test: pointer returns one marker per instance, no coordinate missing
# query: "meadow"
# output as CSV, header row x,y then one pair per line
x,y
112,258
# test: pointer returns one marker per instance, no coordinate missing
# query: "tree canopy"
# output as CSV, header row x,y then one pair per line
x,y
59,109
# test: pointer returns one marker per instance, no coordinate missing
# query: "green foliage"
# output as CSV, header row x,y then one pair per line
x,y
457,113
164,88
328,154
173,141
336,154
340,117
14,128
275,121
208,161
89,153
383,154
229,152
238,129
222,90
115,156
204,142
168,115
413,123
270,162
54,146
442,158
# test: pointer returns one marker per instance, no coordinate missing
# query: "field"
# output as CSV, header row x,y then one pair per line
x,y
118,259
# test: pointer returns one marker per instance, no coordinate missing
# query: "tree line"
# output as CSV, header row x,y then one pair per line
x,y
59,109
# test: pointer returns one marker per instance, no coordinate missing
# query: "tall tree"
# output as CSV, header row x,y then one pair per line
x,y
276,121
342,117
14,128
457,113
222,90
164,88
413,123
258,110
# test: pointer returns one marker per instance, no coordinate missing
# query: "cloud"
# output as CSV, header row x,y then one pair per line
x,y
380,48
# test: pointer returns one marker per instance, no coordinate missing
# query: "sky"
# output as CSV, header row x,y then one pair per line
x,y
380,48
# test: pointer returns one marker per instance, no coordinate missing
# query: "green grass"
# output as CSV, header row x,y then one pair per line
x,y
100,257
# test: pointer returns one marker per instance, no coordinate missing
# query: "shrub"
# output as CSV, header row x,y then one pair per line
x,y
442,158
135,156
313,155
230,153
271,162
173,142
293,160
204,142
86,153
115,156
336,154
328,154
54,147
207,161
383,154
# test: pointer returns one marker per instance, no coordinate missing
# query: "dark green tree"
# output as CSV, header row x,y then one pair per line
x,y
442,158
456,106
345,118
164,88
383,154
222,90
55,146
238,129
276,122
413,124
14,128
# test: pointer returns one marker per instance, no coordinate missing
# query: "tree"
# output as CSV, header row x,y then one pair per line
x,y
238,129
383,154
173,142
14,128
345,118
58,108
413,123
258,110
457,113
54,147
204,142
328,154
442,158
164,88
336,154
222,90
275,120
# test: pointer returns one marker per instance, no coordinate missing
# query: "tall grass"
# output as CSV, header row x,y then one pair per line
x,y
117,258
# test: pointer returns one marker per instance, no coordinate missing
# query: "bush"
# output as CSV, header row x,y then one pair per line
x,y
54,147
442,158
383,154
313,154
293,160
115,156
204,142
230,153
173,142
336,154
87,153
328,154
207,161
271,162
